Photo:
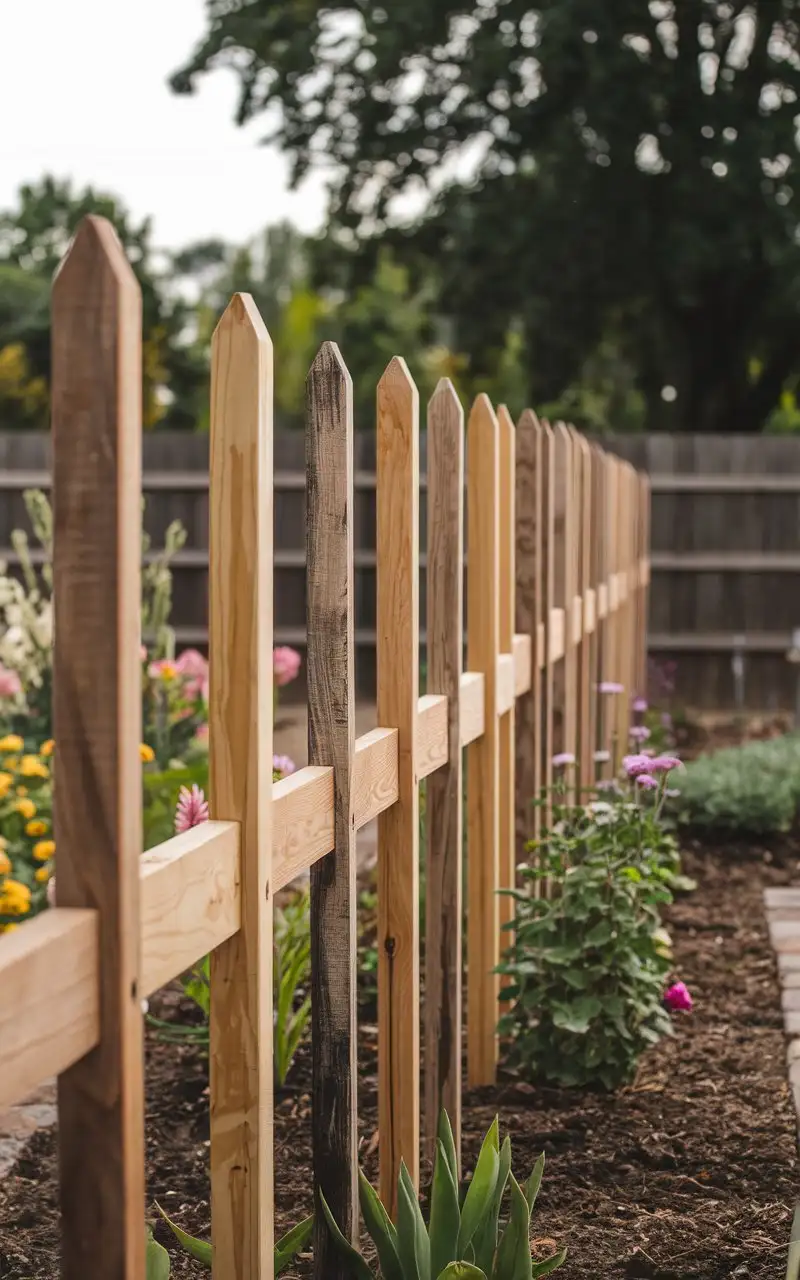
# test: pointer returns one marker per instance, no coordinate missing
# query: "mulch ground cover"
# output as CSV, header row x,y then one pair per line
x,y
690,1172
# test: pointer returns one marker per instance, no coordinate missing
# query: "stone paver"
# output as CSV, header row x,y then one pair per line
x,y
783,918
19,1122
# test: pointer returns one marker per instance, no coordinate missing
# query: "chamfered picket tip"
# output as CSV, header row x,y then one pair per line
x,y
397,371
95,242
504,418
444,404
329,360
528,421
242,314
482,415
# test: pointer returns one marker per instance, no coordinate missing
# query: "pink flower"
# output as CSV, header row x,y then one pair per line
x,y
639,733
192,808
193,669
610,686
665,764
10,683
563,758
636,764
162,669
644,780
202,733
639,704
677,997
666,720
285,664
284,765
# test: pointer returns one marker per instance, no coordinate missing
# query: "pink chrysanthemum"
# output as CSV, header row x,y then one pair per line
x,y
645,781
192,808
639,732
635,765
665,764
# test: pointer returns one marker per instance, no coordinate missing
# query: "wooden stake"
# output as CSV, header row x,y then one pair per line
x,y
240,738
331,741
529,621
97,485
505,727
483,830
548,602
586,694
443,944
398,827
565,676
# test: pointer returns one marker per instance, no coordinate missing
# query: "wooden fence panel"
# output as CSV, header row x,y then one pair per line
x,y
444,796
96,398
240,786
331,741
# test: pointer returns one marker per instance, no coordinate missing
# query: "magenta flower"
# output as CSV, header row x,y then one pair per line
x,y
563,758
192,808
639,733
639,704
677,997
284,765
193,669
610,686
645,781
637,764
285,664
665,764
10,683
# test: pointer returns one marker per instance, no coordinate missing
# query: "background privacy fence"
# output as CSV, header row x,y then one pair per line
x,y
556,591
726,510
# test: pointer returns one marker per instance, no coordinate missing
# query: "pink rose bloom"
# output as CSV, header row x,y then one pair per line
x,y
10,683
637,764
193,669
192,808
284,765
285,664
677,997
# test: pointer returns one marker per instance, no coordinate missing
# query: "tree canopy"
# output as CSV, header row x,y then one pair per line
x,y
590,177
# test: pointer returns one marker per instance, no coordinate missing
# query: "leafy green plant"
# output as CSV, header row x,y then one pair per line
x,y
464,1239
588,964
753,789
157,1258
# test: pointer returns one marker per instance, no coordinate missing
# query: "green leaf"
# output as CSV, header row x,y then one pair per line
x,y
199,1249
485,1240
360,1269
447,1140
289,1245
413,1244
445,1213
513,1260
549,1264
381,1229
461,1271
481,1188
534,1182
156,1259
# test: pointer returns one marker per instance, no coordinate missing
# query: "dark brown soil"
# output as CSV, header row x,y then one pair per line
x,y
690,1173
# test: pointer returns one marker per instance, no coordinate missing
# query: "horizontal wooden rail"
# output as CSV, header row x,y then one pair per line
x,y
720,642
747,483
725,562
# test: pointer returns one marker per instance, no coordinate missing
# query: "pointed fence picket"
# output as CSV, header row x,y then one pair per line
x,y
556,602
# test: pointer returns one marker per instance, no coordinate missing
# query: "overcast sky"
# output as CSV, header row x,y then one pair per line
x,y
84,95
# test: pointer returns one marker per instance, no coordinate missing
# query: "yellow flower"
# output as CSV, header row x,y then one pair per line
x,y
15,899
5,784
5,863
47,748
11,742
42,874
26,808
21,791
32,767
8,928
11,762
36,828
146,754
44,849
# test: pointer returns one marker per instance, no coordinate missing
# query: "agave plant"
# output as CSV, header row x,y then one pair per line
x,y
157,1258
464,1240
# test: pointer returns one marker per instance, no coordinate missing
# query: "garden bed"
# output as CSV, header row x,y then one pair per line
x,y
691,1172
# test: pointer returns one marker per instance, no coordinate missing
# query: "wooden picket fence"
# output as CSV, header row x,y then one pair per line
x,y
557,538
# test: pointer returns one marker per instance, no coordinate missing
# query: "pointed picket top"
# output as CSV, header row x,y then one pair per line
x,y
504,419
445,410
528,421
242,313
94,244
397,385
329,360
482,417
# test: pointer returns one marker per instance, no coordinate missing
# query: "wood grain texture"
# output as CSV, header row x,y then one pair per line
x,y
190,900
483,817
548,605
240,738
398,827
586,693
566,672
522,649
96,408
528,616
602,739
443,940
506,700
473,709
51,971
331,741
433,737
644,552
376,773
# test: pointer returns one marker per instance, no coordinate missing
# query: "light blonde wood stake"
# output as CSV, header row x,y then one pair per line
x,y
443,944
240,738
398,827
528,621
505,727
96,398
587,695
331,741
565,676
483,831
548,598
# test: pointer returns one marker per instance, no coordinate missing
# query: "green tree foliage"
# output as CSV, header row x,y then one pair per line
x,y
630,170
